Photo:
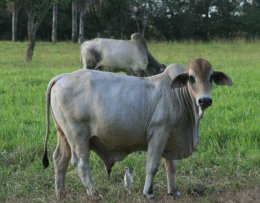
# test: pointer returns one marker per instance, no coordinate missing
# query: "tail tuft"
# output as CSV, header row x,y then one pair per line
x,y
45,161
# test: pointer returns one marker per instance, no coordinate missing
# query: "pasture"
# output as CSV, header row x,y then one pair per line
x,y
225,167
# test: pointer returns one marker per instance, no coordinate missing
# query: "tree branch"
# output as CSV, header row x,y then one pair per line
x,y
41,16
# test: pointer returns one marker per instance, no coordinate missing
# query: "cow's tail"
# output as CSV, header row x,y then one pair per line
x,y
45,160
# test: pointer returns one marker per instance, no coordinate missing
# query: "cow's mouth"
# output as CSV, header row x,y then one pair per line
x,y
203,107
205,102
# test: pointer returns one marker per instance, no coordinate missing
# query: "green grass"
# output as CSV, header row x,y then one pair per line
x,y
227,164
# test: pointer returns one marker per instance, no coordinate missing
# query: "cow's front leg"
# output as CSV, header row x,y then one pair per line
x,y
155,149
171,167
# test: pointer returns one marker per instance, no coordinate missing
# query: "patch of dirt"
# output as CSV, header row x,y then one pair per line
x,y
241,196
199,194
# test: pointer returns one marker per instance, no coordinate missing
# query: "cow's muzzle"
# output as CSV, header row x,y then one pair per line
x,y
205,102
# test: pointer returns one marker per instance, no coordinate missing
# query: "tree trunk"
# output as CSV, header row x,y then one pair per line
x,y
138,26
54,22
29,50
34,14
144,25
31,39
143,31
15,11
74,35
81,25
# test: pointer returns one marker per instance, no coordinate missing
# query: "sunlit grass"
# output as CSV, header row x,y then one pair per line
x,y
228,156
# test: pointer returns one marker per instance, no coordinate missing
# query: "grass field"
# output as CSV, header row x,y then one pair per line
x,y
226,166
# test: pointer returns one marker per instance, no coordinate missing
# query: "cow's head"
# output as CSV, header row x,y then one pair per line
x,y
199,77
162,68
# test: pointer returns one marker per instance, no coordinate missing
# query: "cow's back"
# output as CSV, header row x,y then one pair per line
x,y
116,54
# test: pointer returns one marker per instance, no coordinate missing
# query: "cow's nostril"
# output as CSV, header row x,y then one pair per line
x,y
205,102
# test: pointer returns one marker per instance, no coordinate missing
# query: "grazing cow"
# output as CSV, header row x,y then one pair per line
x,y
112,55
114,115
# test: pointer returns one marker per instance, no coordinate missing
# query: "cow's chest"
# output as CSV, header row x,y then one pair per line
x,y
180,143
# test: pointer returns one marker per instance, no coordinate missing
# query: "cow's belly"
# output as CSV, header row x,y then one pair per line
x,y
119,136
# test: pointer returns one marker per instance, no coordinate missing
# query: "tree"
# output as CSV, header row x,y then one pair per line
x,y
14,7
36,11
161,19
114,18
74,24
142,13
250,19
54,21
83,7
82,16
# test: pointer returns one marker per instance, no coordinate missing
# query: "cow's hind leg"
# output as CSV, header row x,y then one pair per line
x,y
82,152
61,158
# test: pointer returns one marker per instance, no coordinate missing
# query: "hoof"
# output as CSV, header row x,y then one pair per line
x,y
92,193
176,194
148,196
97,197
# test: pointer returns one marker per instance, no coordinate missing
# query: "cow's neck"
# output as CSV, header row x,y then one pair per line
x,y
188,120
193,113
181,114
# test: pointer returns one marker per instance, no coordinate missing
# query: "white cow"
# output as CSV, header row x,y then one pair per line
x,y
114,115
112,55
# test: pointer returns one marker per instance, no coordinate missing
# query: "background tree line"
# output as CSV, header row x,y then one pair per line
x,y
77,20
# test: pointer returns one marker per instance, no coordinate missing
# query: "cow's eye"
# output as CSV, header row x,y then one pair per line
x,y
191,79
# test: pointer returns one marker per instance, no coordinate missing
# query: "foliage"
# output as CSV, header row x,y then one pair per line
x,y
227,161
164,20
5,25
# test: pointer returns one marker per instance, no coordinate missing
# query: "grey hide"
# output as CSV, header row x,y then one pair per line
x,y
131,56
114,115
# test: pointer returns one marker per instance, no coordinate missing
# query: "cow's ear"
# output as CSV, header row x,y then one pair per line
x,y
221,78
180,81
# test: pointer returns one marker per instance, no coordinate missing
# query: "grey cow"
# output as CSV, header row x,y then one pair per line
x,y
114,115
131,56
